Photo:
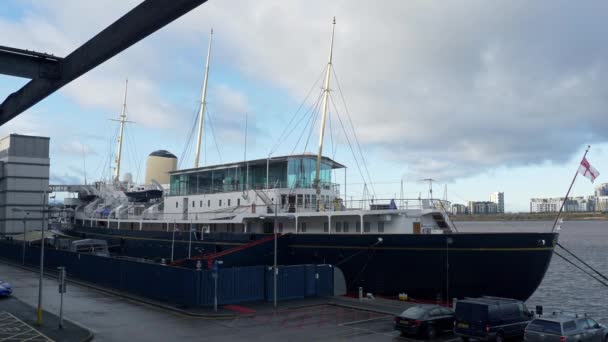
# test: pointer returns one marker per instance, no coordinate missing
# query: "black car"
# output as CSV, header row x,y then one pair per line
x,y
490,318
425,320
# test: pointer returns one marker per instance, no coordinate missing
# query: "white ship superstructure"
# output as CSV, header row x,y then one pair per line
x,y
247,197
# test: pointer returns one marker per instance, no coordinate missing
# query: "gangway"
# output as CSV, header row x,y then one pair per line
x,y
210,257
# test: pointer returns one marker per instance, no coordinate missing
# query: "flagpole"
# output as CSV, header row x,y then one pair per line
x,y
561,208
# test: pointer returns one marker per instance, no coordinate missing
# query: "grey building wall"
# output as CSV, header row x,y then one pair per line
x,y
24,182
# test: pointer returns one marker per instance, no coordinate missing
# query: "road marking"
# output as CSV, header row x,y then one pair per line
x,y
14,329
364,320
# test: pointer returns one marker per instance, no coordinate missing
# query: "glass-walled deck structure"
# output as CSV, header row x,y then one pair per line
x,y
297,171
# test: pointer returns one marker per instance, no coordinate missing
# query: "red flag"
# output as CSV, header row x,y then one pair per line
x,y
587,170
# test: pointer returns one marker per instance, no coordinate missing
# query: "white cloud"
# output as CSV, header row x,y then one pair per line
x,y
450,89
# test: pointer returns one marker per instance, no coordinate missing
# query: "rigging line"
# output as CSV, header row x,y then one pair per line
x,y
352,127
310,116
279,140
349,144
580,268
217,147
312,128
584,263
313,112
188,142
333,142
306,114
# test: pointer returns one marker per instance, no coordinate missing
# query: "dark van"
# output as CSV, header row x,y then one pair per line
x,y
490,318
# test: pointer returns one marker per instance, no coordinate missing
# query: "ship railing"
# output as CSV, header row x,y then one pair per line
x,y
305,204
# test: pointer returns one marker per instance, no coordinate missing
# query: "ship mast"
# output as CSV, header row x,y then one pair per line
x,y
201,114
325,105
123,120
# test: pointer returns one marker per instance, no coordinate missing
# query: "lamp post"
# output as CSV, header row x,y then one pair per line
x,y
15,210
40,281
215,275
448,242
274,276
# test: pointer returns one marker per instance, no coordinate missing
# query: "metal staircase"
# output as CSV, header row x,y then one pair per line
x,y
267,201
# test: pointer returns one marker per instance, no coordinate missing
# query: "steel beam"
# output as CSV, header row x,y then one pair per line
x,y
28,64
143,20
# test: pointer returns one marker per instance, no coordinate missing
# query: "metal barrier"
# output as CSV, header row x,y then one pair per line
x,y
181,286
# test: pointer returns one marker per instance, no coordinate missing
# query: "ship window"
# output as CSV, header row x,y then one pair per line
x,y
220,203
345,226
307,201
229,202
380,227
358,226
326,227
299,200
201,204
366,227
238,202
303,227
280,227
208,203
192,204
338,226
177,204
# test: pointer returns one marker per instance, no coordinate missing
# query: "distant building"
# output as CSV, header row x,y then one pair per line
x,y
601,203
24,180
499,199
601,190
573,204
484,207
459,209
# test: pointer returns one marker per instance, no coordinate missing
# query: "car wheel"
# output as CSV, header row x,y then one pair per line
x,y
431,333
500,337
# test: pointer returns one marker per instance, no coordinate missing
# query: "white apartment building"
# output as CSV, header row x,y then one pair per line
x,y
499,199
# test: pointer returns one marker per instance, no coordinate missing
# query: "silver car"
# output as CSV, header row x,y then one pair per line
x,y
564,327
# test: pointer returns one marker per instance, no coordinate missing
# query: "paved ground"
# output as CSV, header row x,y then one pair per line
x,y
14,329
116,319
18,323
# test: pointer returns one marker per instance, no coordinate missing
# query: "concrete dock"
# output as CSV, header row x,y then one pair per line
x,y
115,318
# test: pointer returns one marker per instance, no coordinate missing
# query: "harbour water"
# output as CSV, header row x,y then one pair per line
x,y
564,286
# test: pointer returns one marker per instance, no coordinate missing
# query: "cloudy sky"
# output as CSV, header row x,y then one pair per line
x,y
482,96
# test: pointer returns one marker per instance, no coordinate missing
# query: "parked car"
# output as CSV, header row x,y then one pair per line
x,y
490,318
565,327
425,320
5,289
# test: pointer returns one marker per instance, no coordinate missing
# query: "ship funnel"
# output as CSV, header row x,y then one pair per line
x,y
158,166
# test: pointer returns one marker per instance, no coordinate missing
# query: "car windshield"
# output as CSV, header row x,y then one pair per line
x,y
541,325
415,312
472,312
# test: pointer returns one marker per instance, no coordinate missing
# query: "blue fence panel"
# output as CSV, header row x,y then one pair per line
x,y
241,284
325,281
310,274
291,283
171,284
